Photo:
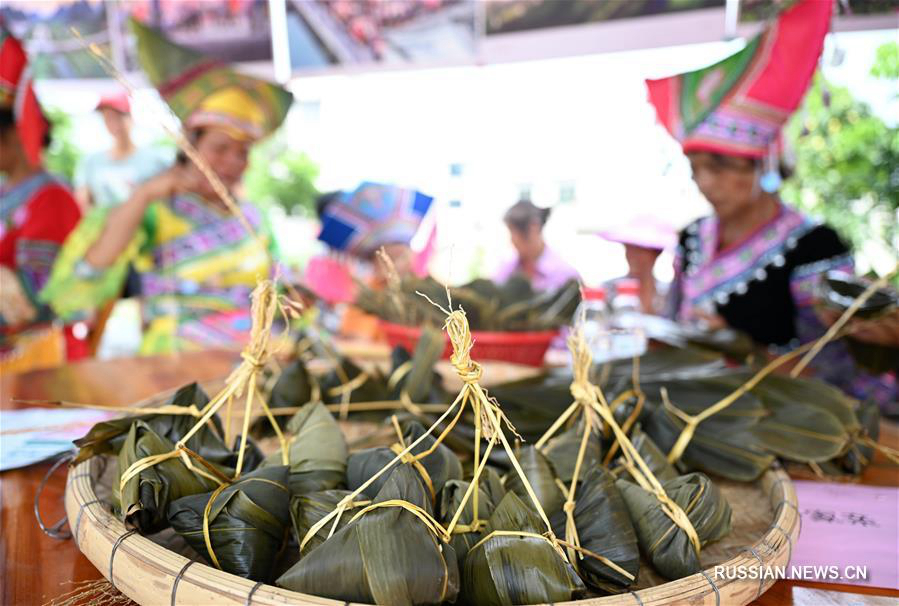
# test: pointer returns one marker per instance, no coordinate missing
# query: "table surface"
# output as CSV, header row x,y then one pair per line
x,y
35,568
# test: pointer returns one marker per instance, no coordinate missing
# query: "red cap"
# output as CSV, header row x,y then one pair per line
x,y
628,286
119,102
593,294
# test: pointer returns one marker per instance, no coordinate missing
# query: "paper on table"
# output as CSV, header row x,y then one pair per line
x,y
31,435
846,530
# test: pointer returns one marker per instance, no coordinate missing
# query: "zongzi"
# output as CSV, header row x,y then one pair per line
x,y
603,527
562,452
146,496
308,509
515,563
247,522
653,457
317,451
542,478
434,470
665,543
107,437
387,555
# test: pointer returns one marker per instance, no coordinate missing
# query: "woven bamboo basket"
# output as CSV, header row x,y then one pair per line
x,y
766,525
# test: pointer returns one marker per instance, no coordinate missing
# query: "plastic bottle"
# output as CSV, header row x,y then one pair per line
x,y
628,335
594,313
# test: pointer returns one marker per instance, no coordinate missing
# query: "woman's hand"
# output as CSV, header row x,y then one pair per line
x,y
17,309
162,186
881,331
878,331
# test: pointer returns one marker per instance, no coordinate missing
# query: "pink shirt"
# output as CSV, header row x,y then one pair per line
x,y
552,271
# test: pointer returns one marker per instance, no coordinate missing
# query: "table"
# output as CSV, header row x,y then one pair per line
x,y
35,568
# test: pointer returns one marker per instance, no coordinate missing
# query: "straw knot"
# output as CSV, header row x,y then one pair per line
x,y
252,360
470,373
581,392
568,507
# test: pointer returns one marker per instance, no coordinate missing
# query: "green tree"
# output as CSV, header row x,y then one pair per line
x,y
62,157
278,175
847,166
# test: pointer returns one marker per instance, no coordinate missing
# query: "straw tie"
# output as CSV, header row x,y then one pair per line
x,y
241,382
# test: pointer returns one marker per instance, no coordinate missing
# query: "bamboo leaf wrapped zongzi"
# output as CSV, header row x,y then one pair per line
x,y
501,568
293,388
562,452
653,457
664,543
308,509
450,498
603,527
542,478
247,522
107,437
317,451
388,555
734,453
434,470
146,496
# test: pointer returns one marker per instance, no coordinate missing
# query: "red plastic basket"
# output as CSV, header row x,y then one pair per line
x,y
527,348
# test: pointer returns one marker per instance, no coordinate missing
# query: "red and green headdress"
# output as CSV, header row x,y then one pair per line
x,y
17,94
204,92
738,105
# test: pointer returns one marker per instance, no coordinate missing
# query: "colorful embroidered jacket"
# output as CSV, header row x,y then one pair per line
x,y
36,215
765,287
197,267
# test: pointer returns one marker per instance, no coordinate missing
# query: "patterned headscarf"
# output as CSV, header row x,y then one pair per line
x,y
204,92
371,216
17,94
738,105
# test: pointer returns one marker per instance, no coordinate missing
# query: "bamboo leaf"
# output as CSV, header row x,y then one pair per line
x,y
502,570
542,478
604,527
317,453
387,556
663,542
145,497
247,522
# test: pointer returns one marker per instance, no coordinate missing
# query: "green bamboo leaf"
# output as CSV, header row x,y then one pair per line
x,y
733,453
107,437
501,570
604,527
247,522
450,500
146,497
317,453
309,509
654,458
542,478
562,452
802,433
440,466
664,543
387,556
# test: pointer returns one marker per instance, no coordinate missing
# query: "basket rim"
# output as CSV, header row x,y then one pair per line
x,y
111,543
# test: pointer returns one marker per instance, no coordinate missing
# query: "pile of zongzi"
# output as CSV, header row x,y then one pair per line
x,y
403,524
513,306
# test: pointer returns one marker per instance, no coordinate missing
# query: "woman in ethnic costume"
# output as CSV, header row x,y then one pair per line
x,y
355,225
37,212
198,263
754,265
